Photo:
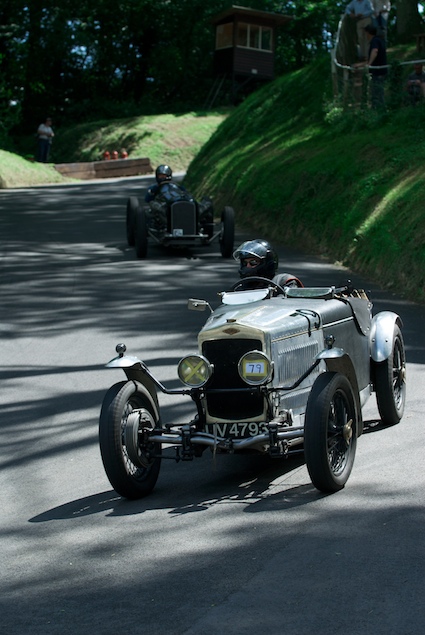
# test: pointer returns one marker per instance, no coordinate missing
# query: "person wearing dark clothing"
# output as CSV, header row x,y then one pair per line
x,y
377,62
165,192
257,258
163,176
416,84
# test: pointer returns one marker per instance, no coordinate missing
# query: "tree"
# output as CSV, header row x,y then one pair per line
x,y
86,59
409,20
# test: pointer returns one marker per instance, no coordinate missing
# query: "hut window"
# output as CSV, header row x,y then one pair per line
x,y
224,36
254,37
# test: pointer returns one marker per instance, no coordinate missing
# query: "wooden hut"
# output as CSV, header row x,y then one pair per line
x,y
245,44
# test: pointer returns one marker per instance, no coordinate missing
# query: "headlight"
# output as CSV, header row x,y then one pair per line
x,y
255,368
194,370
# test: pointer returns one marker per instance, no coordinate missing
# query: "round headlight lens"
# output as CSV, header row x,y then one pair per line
x,y
194,370
255,368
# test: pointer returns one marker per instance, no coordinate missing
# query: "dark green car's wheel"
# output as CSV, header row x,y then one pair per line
x,y
330,432
132,468
141,234
227,236
132,209
390,382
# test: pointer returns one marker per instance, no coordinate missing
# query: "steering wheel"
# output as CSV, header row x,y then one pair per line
x,y
245,283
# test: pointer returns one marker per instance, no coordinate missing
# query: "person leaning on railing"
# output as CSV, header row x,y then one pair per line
x,y
377,64
361,11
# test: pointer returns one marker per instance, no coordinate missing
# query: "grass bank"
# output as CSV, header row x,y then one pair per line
x,y
349,186
15,171
346,185
170,138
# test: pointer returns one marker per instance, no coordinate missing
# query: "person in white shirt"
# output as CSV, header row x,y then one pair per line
x,y
361,11
45,135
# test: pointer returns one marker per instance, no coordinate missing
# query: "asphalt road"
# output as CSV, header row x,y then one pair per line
x,y
235,545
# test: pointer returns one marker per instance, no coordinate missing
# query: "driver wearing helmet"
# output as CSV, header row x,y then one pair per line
x,y
258,259
165,191
163,175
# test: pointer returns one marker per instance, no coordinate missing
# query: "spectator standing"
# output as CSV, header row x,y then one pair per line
x,y
416,84
377,63
45,135
361,11
381,9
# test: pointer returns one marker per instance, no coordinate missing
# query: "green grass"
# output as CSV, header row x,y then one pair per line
x,y
15,171
297,169
174,139
350,186
168,138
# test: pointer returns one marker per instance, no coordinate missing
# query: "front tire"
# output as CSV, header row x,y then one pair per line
x,y
133,477
141,234
227,237
390,382
132,209
330,432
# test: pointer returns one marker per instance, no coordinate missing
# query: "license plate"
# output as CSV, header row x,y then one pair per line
x,y
236,430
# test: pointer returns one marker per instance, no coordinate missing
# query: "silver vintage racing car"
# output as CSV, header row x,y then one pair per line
x,y
278,370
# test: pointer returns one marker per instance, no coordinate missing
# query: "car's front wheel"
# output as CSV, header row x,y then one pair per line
x,y
330,432
132,209
227,236
141,234
390,382
132,468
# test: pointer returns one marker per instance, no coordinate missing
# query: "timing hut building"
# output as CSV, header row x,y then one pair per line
x,y
245,43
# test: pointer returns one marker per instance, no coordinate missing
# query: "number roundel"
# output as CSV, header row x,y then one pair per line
x,y
255,368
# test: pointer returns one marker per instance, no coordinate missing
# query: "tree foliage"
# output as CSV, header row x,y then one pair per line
x,y
77,60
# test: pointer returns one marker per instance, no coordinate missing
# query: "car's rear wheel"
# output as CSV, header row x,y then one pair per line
x,y
330,432
132,209
227,236
131,469
141,234
390,382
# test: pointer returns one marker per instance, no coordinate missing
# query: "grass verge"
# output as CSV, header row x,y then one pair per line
x,y
350,187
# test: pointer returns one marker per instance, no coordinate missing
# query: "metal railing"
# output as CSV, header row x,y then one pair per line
x,y
352,84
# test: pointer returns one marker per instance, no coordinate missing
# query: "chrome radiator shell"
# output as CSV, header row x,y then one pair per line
x,y
290,337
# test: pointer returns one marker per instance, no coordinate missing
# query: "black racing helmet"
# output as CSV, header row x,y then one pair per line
x,y
163,173
257,258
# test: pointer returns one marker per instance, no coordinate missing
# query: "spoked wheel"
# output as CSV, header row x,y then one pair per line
x,y
330,432
132,209
227,236
141,234
131,466
390,382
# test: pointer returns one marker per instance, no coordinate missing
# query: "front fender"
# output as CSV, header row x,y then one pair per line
x,y
124,361
134,369
382,333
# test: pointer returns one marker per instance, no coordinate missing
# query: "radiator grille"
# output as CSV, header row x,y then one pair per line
x,y
183,218
225,355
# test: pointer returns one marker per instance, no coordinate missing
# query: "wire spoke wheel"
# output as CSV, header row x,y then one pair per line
x,y
330,432
131,463
390,382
